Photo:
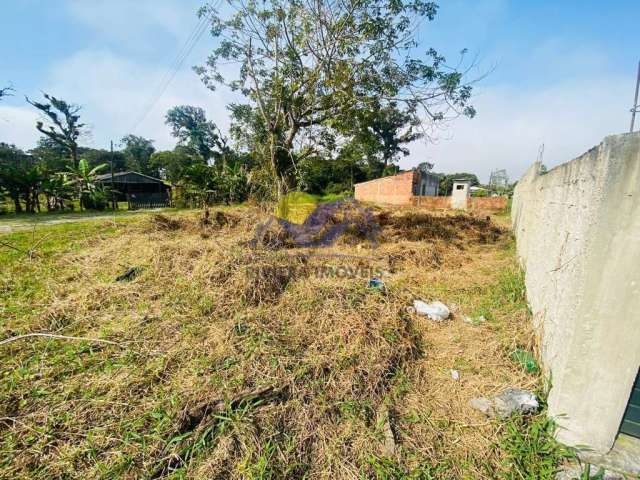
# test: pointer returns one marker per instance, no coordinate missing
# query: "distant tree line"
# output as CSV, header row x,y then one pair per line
x,y
334,92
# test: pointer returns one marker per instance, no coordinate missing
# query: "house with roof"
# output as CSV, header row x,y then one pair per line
x,y
137,189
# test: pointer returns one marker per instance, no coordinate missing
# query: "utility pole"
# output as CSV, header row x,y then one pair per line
x,y
636,107
113,192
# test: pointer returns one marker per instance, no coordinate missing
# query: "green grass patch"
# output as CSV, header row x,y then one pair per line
x,y
297,206
530,449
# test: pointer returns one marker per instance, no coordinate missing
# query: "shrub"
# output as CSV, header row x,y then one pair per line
x,y
95,200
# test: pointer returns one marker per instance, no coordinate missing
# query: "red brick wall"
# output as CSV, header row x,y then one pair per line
x,y
487,203
398,190
432,203
394,190
473,203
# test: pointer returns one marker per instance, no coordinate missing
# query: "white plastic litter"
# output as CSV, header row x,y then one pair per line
x,y
474,320
437,311
508,402
455,374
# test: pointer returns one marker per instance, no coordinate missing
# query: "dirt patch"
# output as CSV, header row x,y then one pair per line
x,y
165,223
420,226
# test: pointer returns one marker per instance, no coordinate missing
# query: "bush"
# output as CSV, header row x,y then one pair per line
x,y
95,200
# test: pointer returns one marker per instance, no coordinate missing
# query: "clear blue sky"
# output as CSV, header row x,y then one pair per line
x,y
557,72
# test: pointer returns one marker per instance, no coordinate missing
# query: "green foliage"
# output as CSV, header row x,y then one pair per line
x,y
176,164
63,127
380,132
208,185
96,199
97,157
530,449
511,287
84,179
51,155
318,174
192,129
230,185
446,181
137,152
57,189
306,72
20,177
590,473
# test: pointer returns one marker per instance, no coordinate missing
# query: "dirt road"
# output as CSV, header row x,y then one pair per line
x,y
11,224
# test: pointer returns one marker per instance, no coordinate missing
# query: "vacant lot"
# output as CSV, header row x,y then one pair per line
x,y
229,361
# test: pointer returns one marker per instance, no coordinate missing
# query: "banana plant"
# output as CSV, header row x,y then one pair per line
x,y
57,188
85,178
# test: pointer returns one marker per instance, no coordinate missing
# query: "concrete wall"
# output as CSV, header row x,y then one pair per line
x,y
460,194
578,238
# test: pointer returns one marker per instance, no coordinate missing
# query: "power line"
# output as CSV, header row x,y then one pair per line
x,y
636,105
170,74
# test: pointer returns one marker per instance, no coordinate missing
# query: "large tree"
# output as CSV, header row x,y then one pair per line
x,y
63,123
138,151
191,127
97,157
305,64
175,164
381,134
51,155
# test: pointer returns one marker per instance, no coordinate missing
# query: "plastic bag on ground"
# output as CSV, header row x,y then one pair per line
x,y
435,311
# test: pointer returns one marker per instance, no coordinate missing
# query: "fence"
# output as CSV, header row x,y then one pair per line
x,y
148,200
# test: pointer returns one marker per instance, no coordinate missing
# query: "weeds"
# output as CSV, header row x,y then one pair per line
x,y
530,449
199,326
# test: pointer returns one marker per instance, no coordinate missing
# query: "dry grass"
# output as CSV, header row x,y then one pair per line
x,y
209,319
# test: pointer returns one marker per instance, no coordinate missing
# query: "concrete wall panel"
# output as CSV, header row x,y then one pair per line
x,y
578,238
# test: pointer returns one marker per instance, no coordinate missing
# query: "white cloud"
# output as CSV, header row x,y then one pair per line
x,y
135,23
569,118
115,92
18,125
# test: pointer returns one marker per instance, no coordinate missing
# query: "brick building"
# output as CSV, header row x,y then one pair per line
x,y
399,189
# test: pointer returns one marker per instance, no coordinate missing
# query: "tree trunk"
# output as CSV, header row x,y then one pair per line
x,y
28,205
74,156
16,203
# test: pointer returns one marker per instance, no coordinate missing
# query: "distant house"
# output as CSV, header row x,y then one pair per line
x,y
137,189
399,189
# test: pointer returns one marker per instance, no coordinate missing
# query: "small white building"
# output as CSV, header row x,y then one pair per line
x,y
460,194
